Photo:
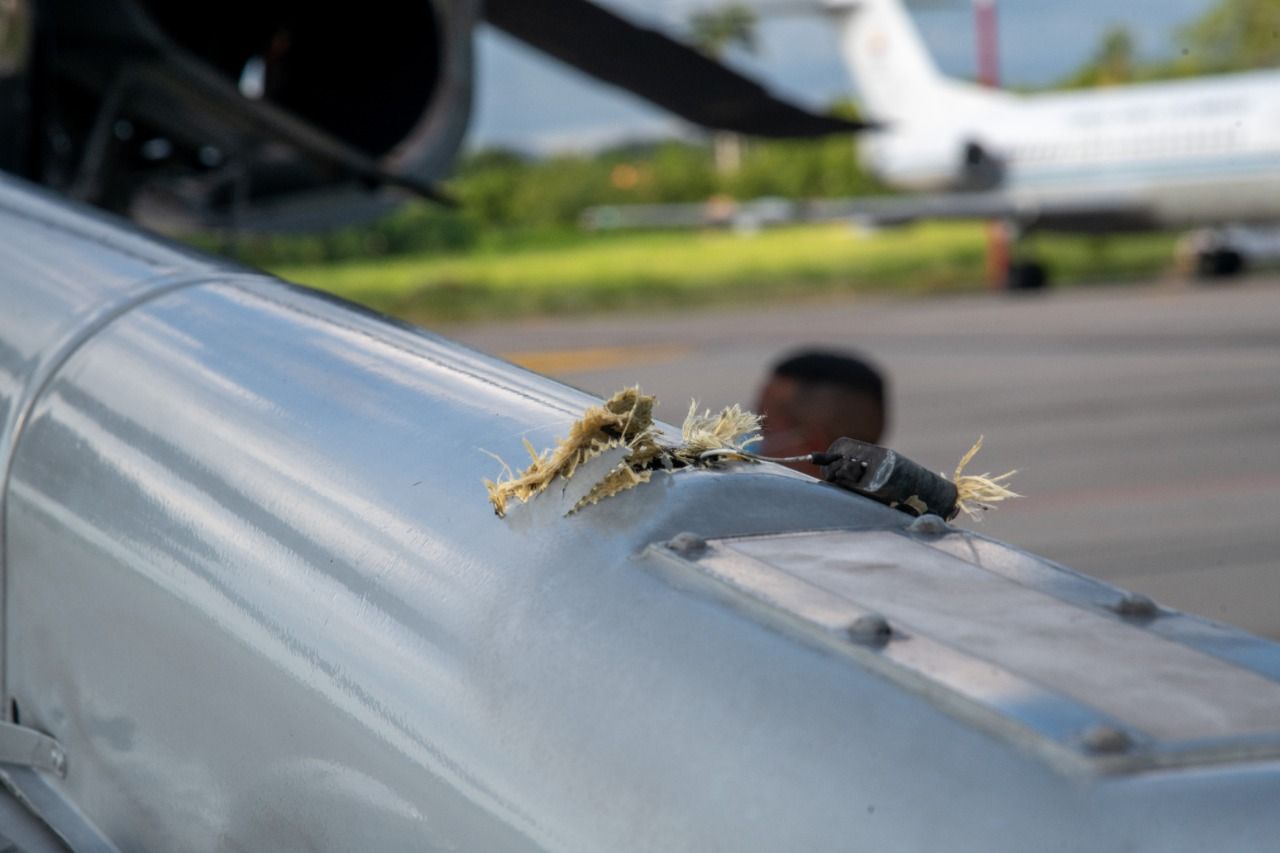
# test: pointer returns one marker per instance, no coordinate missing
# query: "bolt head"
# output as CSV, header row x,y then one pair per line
x,y
928,525
870,629
687,545
1137,606
1105,740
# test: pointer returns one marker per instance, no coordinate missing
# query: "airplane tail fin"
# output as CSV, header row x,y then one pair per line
x,y
891,66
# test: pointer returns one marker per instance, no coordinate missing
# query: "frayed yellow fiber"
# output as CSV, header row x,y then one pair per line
x,y
732,429
975,492
618,480
625,420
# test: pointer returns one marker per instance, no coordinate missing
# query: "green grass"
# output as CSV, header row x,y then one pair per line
x,y
629,271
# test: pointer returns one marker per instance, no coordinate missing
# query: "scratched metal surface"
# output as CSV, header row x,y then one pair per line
x,y
255,589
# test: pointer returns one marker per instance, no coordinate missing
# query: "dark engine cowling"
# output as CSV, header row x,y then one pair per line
x,y
246,113
366,77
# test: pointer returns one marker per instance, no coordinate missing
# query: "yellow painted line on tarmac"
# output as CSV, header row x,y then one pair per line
x,y
562,362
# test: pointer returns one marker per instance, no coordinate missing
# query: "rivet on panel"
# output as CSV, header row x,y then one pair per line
x,y
1137,606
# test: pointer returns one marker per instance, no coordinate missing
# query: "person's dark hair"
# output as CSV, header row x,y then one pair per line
x,y
824,367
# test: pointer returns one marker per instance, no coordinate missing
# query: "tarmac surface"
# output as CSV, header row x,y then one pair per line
x,y
1144,420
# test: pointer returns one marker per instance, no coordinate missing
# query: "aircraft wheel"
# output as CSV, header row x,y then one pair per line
x,y
1219,263
1027,276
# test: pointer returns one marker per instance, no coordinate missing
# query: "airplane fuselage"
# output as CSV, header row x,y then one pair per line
x,y
1165,154
1197,151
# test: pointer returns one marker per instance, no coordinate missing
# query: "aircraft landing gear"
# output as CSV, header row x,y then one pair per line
x,y
1022,272
1218,253
1026,275
1220,262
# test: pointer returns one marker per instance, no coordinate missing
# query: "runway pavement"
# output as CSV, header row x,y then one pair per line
x,y
1144,420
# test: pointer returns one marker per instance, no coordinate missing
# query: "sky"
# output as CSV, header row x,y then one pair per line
x,y
532,103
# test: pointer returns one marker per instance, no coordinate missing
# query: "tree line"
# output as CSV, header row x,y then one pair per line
x,y
1231,36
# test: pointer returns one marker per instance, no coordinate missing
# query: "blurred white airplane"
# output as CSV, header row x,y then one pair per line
x,y
1200,152
1160,155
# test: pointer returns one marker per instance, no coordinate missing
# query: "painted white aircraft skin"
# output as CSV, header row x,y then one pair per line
x,y
1182,153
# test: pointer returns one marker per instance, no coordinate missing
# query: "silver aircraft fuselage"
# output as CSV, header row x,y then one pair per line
x,y
255,592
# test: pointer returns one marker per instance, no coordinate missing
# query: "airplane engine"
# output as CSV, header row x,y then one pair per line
x,y
919,159
390,78
254,114
283,115
255,598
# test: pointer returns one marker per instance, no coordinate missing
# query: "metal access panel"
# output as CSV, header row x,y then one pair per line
x,y
1081,672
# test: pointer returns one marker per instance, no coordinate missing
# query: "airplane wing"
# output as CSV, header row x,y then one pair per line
x,y
1078,214
656,67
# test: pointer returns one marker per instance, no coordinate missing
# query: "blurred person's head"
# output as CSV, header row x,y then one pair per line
x,y
812,397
